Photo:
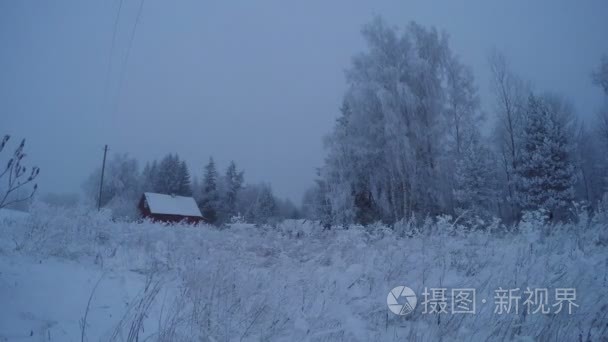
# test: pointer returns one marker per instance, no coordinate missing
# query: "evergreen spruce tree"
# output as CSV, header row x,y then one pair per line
x,y
265,207
210,196
168,177
545,175
475,178
145,176
185,187
150,177
234,183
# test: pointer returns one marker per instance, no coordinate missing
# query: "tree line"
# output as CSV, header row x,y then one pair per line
x,y
222,198
411,139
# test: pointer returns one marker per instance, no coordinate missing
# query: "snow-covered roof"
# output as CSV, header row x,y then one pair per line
x,y
172,205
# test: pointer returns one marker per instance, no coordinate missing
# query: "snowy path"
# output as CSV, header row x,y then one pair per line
x,y
44,300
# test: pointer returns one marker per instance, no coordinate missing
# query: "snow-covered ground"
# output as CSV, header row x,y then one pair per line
x,y
46,298
292,282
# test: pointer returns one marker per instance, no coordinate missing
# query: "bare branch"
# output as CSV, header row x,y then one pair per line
x,y
16,174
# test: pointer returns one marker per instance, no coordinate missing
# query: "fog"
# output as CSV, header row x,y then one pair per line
x,y
259,83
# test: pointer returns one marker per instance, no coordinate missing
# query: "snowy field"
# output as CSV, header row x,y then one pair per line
x,y
77,275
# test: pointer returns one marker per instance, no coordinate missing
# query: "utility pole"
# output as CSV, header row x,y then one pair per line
x,y
103,168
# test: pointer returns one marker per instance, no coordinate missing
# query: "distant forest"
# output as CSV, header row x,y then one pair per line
x,y
222,197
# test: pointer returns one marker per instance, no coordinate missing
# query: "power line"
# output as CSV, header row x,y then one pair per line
x,y
109,71
126,60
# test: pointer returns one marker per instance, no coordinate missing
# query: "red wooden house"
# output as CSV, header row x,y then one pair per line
x,y
169,208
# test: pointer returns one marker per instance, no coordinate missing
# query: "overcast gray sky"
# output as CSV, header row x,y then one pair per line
x,y
259,82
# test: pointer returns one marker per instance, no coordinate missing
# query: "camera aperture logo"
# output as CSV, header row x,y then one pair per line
x,y
401,300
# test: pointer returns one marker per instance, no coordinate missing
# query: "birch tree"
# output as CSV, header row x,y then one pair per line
x,y
408,100
510,94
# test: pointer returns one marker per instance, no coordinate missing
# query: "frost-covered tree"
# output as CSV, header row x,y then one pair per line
x,y
600,75
170,176
510,94
286,209
407,102
602,125
233,183
210,199
265,207
475,186
316,204
61,200
17,176
150,177
591,166
185,187
121,186
545,175
258,204
168,179
600,78
461,113
462,118
196,189
600,134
